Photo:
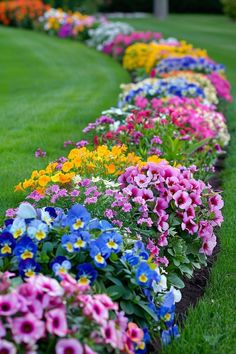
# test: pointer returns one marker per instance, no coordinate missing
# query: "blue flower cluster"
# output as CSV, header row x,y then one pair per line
x,y
201,65
169,87
138,258
25,239
149,278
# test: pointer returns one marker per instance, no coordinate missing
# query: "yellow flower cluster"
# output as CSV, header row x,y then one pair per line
x,y
141,55
101,162
200,80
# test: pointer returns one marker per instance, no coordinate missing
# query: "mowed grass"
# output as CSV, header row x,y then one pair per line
x,y
211,327
50,89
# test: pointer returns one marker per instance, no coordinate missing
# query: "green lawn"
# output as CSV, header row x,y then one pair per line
x,y
49,90
211,326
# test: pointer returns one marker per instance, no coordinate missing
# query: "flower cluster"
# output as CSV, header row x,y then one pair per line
x,y
142,55
151,88
57,244
73,25
104,34
41,308
180,130
222,86
201,80
105,161
21,13
201,65
118,45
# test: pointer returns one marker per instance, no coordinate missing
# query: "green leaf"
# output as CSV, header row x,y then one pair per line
x,y
148,310
127,307
116,291
176,281
114,280
47,247
185,269
196,146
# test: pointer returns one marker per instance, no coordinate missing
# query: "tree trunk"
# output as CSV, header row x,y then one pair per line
x,y
161,8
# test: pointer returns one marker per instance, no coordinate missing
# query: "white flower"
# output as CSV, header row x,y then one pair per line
x,y
177,294
26,211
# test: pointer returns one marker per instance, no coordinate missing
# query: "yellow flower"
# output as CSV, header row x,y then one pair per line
x,y
101,162
43,180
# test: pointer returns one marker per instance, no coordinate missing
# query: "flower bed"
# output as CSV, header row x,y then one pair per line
x,y
128,215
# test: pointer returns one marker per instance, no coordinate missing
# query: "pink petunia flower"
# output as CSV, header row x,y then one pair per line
x,y
9,304
27,329
47,285
56,322
208,245
7,347
182,199
71,346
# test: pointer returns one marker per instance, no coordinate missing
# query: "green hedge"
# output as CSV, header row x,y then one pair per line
x,y
229,7
176,6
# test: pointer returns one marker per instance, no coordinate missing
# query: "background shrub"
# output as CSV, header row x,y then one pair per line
x,y
229,7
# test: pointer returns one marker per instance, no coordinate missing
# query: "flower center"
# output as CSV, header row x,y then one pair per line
x,y
56,322
27,327
40,235
143,278
4,351
5,307
27,254
6,249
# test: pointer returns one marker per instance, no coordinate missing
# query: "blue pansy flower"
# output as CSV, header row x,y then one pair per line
x,y
166,312
130,257
168,334
99,252
102,225
25,248
145,275
86,274
7,244
28,268
140,249
37,230
81,240
60,265
52,212
67,242
46,216
113,240
8,223
78,217
18,228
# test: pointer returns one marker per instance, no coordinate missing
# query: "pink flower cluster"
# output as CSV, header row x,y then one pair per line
x,y
222,86
41,308
191,116
117,47
165,198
